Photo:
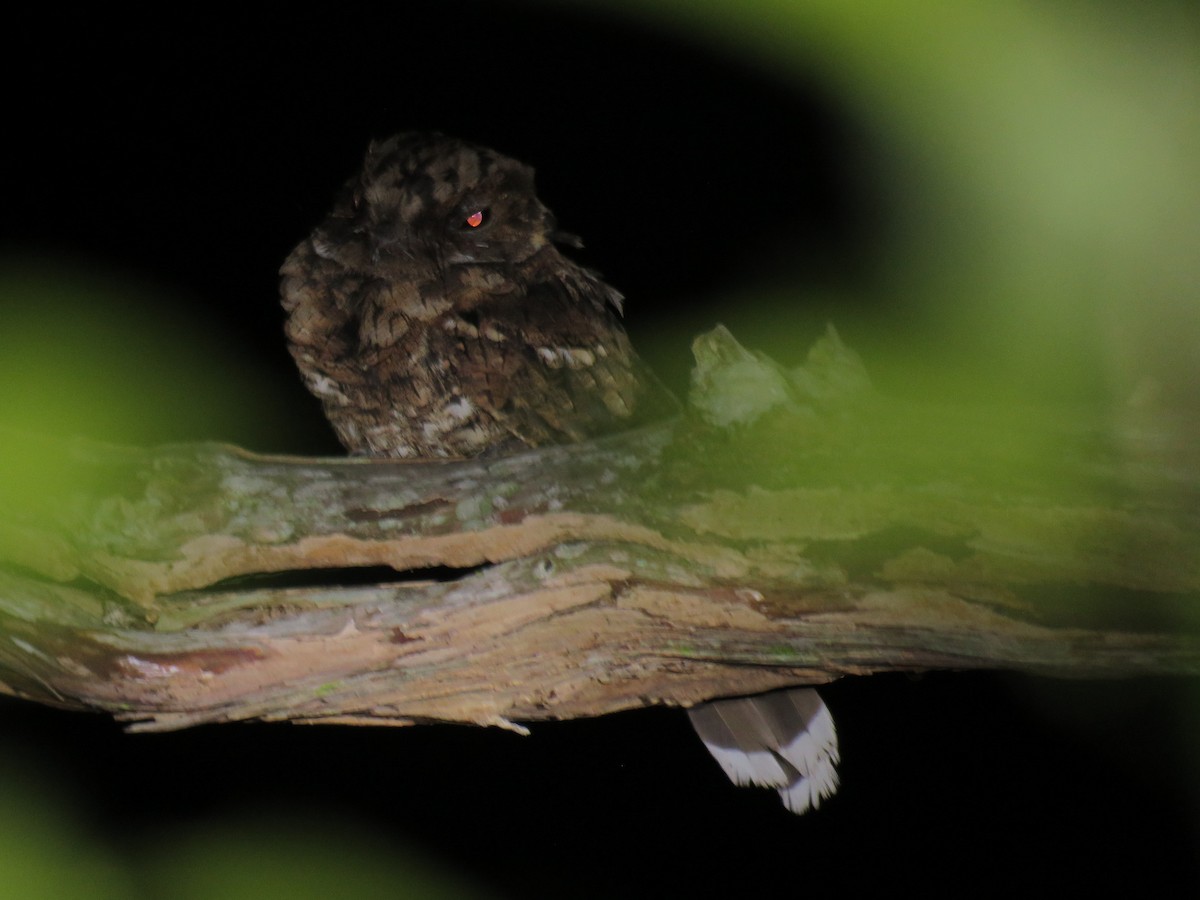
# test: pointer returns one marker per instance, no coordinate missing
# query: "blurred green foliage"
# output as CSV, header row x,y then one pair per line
x,y
107,355
1040,162
49,852
46,853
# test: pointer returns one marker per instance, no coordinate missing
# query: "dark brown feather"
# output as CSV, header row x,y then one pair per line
x,y
426,337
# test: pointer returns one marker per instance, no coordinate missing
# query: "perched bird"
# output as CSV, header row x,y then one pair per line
x,y
433,315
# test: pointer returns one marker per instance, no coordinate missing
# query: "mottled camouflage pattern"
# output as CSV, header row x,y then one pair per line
x,y
426,337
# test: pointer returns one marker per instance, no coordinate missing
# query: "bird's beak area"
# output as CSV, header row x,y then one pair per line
x,y
386,245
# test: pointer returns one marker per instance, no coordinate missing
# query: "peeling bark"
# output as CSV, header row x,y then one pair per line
x,y
792,528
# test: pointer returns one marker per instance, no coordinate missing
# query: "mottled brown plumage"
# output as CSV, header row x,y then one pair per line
x,y
433,315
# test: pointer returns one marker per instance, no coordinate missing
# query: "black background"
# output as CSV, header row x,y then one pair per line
x,y
191,156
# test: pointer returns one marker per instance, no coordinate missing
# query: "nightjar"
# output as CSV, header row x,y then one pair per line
x,y
434,316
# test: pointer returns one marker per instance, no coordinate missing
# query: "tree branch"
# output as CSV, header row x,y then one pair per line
x,y
792,528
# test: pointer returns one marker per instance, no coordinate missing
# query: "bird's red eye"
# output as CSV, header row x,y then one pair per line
x,y
475,219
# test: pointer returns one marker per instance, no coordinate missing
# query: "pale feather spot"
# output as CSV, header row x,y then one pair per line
x,y
571,357
549,355
579,358
459,409
326,388
455,325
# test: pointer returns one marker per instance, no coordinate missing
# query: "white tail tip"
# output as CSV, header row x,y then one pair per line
x,y
785,740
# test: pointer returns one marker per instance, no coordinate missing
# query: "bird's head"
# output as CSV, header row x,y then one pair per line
x,y
430,197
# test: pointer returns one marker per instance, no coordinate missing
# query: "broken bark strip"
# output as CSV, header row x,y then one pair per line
x,y
821,534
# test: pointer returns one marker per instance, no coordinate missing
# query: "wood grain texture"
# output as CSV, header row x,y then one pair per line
x,y
654,566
